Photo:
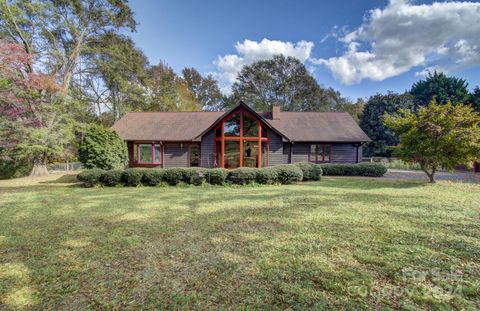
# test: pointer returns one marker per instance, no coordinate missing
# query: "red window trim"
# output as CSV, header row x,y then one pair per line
x,y
199,154
261,140
152,144
316,160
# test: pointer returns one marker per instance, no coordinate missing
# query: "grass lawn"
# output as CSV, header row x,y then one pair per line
x,y
341,243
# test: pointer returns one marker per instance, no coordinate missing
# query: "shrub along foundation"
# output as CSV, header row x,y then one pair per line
x,y
281,174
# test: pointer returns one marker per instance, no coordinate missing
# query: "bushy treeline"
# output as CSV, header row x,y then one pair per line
x,y
281,174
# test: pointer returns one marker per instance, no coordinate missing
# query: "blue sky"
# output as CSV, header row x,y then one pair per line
x,y
346,45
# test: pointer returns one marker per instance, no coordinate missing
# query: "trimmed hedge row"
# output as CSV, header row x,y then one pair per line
x,y
283,174
361,169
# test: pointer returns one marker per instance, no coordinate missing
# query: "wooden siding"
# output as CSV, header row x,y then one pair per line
x,y
275,152
207,156
286,153
344,153
341,153
300,153
175,156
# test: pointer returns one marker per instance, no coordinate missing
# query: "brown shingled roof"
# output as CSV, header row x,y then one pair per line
x,y
187,126
318,126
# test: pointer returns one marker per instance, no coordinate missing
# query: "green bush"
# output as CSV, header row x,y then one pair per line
x,y
153,177
215,176
267,175
173,176
288,173
242,175
10,168
102,148
362,169
194,176
111,178
133,176
90,178
311,171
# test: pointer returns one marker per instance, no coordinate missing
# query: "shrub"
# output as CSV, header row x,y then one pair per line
x,y
10,168
194,176
288,173
362,169
311,171
242,175
102,148
90,178
133,176
152,177
267,175
111,178
215,176
173,175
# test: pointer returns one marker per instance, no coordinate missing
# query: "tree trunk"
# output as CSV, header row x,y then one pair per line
x,y
39,166
431,175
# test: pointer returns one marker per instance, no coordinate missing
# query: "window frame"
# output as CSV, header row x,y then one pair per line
x,y
261,139
136,151
199,154
317,160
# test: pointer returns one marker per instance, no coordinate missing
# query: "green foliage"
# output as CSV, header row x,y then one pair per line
x,y
133,176
267,175
216,176
204,89
439,135
102,148
441,88
311,171
111,178
14,169
167,91
153,177
285,80
361,169
475,99
173,176
90,178
372,121
194,176
288,173
242,175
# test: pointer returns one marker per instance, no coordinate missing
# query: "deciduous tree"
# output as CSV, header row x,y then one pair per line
x,y
34,125
439,135
204,89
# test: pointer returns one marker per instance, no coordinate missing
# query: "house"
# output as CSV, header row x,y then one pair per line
x,y
240,137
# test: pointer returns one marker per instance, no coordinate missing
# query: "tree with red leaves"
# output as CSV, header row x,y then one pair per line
x,y
33,122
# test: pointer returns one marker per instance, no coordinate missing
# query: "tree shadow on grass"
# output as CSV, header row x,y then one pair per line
x,y
201,246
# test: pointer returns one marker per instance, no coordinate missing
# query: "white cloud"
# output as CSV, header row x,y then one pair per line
x,y
403,35
250,51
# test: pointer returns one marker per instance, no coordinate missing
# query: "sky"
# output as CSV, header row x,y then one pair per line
x,y
359,48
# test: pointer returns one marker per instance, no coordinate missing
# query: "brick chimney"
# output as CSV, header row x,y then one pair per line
x,y
275,111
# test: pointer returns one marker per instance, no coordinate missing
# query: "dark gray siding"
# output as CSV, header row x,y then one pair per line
x,y
275,152
344,153
341,153
300,153
206,149
286,153
176,156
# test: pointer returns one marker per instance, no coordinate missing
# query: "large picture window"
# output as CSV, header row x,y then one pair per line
x,y
147,153
241,141
320,153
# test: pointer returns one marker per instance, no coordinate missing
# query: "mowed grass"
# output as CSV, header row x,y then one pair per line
x,y
341,243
